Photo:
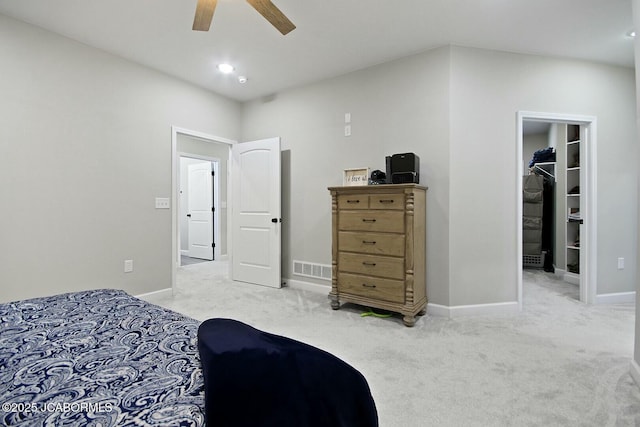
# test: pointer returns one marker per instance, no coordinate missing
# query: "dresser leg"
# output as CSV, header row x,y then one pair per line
x,y
422,312
335,304
409,320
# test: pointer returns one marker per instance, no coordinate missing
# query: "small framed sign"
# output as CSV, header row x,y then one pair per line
x,y
355,176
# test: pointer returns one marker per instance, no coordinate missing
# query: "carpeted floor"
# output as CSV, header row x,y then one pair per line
x,y
557,363
185,260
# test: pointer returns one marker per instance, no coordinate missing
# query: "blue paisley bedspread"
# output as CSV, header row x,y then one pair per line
x,y
98,358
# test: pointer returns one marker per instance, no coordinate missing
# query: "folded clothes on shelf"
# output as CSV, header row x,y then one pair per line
x,y
574,214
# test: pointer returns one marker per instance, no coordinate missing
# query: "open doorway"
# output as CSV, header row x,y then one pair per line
x,y
556,200
200,153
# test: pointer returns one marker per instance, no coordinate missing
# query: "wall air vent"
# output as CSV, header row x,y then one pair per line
x,y
309,269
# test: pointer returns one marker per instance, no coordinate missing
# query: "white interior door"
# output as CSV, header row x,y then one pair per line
x,y
200,215
256,212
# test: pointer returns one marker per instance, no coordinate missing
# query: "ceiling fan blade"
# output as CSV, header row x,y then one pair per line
x,y
204,14
272,14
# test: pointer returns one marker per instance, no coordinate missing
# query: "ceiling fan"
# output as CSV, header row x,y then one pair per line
x,y
205,9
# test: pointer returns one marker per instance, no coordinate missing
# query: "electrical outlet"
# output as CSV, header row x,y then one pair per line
x,y
347,130
162,203
128,265
620,263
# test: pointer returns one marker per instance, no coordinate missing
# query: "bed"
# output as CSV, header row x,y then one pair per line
x,y
98,358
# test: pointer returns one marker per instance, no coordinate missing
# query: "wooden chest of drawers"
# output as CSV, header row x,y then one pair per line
x,y
378,248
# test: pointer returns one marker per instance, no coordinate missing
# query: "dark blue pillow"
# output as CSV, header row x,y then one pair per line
x,y
257,379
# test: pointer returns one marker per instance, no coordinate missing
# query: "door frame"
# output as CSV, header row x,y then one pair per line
x,y
588,276
215,167
175,188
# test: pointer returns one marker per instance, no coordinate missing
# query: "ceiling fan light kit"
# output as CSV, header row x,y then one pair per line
x,y
206,8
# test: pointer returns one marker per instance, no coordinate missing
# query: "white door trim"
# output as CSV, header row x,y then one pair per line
x,y
588,280
175,170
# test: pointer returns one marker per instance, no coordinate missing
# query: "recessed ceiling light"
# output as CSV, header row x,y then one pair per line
x,y
631,34
225,68
242,79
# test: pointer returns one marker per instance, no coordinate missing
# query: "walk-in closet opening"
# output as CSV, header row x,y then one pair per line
x,y
556,188
543,205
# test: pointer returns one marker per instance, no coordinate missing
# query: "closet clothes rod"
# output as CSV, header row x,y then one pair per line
x,y
536,169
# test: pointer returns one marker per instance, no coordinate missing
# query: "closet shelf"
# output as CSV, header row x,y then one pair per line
x,y
573,199
545,169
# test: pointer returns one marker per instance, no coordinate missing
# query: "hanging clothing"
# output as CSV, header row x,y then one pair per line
x,y
532,210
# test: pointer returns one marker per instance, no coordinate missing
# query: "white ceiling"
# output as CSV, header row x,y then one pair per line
x,y
333,37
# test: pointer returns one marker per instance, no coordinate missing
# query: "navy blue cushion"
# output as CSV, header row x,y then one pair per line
x,y
254,378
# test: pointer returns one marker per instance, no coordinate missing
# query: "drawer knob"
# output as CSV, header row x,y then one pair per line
x,y
368,220
370,264
368,242
368,286
353,201
386,201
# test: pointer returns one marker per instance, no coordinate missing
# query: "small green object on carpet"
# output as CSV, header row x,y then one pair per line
x,y
373,313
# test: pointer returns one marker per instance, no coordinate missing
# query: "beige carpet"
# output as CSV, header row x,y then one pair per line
x,y
558,363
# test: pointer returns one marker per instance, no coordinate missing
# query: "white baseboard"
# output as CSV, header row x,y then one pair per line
x,y
161,292
616,298
473,310
634,370
308,286
438,310
572,278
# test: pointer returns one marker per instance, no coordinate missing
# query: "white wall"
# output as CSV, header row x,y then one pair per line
x,y
85,147
396,107
487,88
530,144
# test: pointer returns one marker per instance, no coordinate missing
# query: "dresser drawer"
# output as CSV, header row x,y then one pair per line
x,y
372,220
353,201
371,243
372,287
386,201
371,265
